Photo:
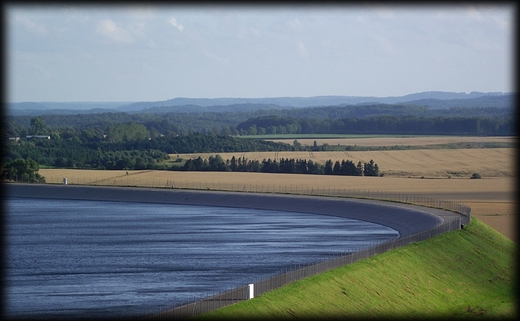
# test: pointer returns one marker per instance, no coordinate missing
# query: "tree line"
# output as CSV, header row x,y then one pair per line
x,y
284,165
144,140
271,125
378,118
120,146
25,170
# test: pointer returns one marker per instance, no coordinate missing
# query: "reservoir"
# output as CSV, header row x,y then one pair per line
x,y
97,259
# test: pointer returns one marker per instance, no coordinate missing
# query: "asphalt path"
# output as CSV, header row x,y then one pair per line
x,y
404,218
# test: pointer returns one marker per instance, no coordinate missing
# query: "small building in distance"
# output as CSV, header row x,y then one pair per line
x,y
38,136
14,140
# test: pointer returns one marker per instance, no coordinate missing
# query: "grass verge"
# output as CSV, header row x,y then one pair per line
x,y
459,274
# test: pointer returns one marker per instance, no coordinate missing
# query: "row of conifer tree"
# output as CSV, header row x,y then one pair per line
x,y
283,165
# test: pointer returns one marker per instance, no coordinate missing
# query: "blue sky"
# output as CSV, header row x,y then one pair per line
x,y
151,53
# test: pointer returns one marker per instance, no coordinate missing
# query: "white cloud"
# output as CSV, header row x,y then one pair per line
x,y
138,29
151,43
112,31
31,26
72,14
384,12
294,24
140,12
43,71
384,43
474,13
220,60
174,23
248,33
302,49
361,18
503,23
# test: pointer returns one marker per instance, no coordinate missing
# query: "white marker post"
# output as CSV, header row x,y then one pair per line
x,y
251,291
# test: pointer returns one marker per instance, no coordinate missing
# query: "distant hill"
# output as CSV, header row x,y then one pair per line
x,y
431,99
502,101
307,101
442,95
62,108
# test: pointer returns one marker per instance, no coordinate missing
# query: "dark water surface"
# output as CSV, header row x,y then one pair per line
x,y
68,258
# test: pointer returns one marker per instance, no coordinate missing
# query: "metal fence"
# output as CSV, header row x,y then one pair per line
x,y
420,200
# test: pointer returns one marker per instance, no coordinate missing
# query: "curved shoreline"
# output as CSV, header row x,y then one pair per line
x,y
405,218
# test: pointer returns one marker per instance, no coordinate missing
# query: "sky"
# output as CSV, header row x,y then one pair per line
x,y
120,53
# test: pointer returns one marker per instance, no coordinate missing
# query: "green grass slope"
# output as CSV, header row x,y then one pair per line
x,y
460,274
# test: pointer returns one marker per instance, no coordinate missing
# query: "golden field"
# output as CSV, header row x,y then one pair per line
x,y
488,162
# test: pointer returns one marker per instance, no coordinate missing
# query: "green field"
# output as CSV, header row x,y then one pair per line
x,y
320,136
460,274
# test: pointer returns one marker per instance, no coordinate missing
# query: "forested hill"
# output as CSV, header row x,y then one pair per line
x,y
284,102
321,119
507,101
433,100
396,125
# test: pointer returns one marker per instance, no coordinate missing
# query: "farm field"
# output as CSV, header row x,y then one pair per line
x,y
397,140
430,163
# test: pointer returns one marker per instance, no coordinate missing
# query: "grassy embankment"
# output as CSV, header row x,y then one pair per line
x,y
463,273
